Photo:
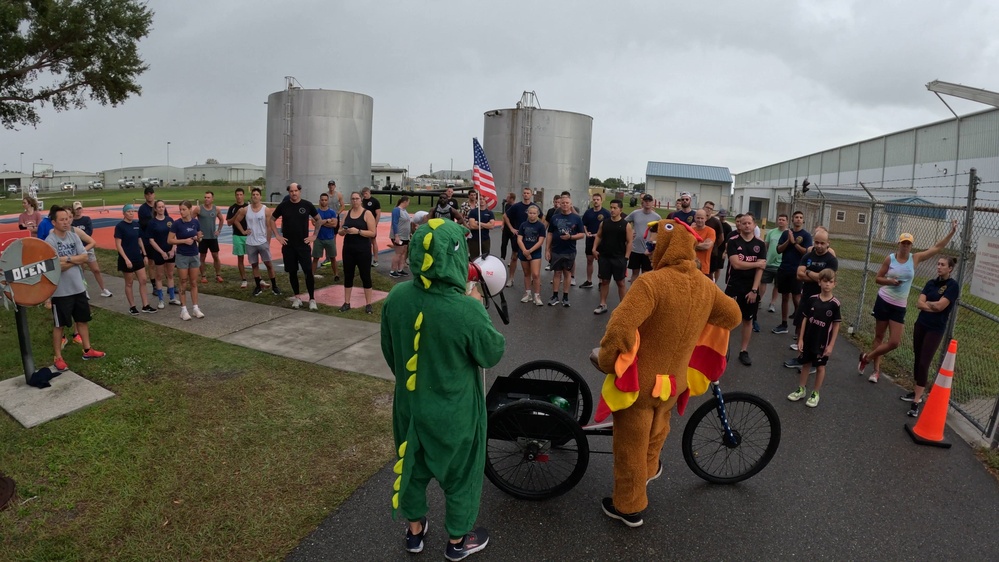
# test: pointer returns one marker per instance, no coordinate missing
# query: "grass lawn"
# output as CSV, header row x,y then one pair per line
x,y
208,451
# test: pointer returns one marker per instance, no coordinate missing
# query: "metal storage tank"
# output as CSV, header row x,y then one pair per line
x,y
317,135
544,149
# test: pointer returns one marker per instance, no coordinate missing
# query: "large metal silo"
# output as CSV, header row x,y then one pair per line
x,y
539,148
314,136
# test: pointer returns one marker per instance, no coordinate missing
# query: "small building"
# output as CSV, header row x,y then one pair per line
x,y
165,174
667,180
244,173
386,176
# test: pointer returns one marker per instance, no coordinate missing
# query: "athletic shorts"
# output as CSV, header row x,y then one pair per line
x,y
208,245
563,262
640,261
769,276
717,262
885,311
257,254
238,245
295,257
589,245
137,264
91,256
328,246
787,282
748,309
158,258
813,359
535,255
187,262
69,309
608,268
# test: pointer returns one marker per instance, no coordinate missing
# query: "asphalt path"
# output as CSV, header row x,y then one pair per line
x,y
846,483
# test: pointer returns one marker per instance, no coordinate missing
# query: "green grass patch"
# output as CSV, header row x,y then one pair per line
x,y
208,451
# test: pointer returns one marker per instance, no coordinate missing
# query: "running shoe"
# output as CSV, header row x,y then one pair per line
x,y
793,347
756,326
275,291
573,282
344,307
797,394
296,303
161,305
60,364
258,291
537,300
528,297
197,312
77,339
106,293
470,544
184,314
148,309
862,364
93,354
548,267
218,279
313,305
204,280
602,309
395,274
553,301
630,519
336,278
908,397
781,329
793,363
744,358
914,410
772,309
325,263
813,400
316,276
374,263
133,311
243,284
509,282
175,302
368,309
565,303
64,342
586,285
265,284
874,377
656,475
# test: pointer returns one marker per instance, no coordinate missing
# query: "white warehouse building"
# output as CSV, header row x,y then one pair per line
x,y
667,180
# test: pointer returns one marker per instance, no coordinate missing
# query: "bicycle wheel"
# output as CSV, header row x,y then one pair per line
x,y
548,370
711,456
535,450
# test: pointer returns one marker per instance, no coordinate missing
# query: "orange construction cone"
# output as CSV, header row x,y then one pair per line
x,y
929,428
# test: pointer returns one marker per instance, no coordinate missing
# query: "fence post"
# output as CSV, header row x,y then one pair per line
x,y
871,229
966,234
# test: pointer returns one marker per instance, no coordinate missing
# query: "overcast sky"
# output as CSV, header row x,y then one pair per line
x,y
736,84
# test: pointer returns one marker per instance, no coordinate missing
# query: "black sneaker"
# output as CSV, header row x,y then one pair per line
x,y
630,519
257,292
394,274
565,303
908,397
414,543
133,311
914,410
336,278
585,285
656,475
470,544
782,329
403,272
276,291
744,358
553,301
148,309
793,363
344,307
368,309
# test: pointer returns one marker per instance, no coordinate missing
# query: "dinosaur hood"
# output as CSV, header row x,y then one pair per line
x,y
438,257
675,242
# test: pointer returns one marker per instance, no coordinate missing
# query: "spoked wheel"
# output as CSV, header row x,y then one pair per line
x,y
547,370
535,450
720,460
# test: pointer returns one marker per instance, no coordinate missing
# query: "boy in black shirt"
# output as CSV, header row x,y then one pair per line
x,y
820,327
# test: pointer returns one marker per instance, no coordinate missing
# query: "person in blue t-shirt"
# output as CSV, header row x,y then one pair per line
x,y
185,234
591,224
793,244
935,305
530,241
480,221
326,238
45,225
513,218
132,258
565,228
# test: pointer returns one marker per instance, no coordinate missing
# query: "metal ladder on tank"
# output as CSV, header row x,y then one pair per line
x,y
528,103
291,84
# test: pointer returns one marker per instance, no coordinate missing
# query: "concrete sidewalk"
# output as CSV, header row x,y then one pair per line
x,y
348,345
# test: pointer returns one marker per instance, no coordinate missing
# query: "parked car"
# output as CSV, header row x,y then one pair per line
x,y
151,182
126,184
11,188
96,184
69,186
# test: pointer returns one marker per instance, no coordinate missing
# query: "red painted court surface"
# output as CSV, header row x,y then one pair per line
x,y
104,220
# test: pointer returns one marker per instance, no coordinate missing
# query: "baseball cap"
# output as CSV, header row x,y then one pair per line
x,y
77,205
127,208
722,213
331,182
685,194
647,197
906,237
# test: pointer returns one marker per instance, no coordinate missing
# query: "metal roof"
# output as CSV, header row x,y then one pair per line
x,y
689,172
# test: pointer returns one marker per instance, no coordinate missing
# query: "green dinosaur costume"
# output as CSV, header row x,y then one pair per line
x,y
435,338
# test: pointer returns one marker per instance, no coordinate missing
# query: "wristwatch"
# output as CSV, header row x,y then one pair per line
x,y
757,291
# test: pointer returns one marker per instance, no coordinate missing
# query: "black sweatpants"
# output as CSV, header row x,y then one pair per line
x,y
360,258
924,348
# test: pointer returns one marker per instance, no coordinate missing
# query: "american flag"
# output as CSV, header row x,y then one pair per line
x,y
482,176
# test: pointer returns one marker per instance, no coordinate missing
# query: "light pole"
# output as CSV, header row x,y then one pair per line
x,y
168,156
121,170
20,165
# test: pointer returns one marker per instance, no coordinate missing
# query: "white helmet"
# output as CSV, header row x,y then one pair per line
x,y
492,272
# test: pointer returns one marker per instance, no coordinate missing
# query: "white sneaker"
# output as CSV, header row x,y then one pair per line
x,y
374,263
242,284
312,305
161,304
296,303
537,300
265,284
573,283
772,309
527,297
184,314
874,377
106,293
317,276
197,312
509,282
793,347
175,302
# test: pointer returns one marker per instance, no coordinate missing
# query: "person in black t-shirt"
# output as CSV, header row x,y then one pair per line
x,y
612,248
296,214
747,256
819,257
821,319
372,204
238,232
935,305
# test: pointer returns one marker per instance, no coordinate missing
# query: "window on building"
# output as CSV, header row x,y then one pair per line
x,y
840,216
861,218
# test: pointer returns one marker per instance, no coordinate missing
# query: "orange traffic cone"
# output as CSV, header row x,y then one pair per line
x,y
929,428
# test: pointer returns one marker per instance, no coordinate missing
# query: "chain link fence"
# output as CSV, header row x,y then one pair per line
x,y
863,231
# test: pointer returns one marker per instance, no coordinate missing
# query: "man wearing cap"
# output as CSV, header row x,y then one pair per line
x,y
641,252
131,258
683,211
84,223
373,205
